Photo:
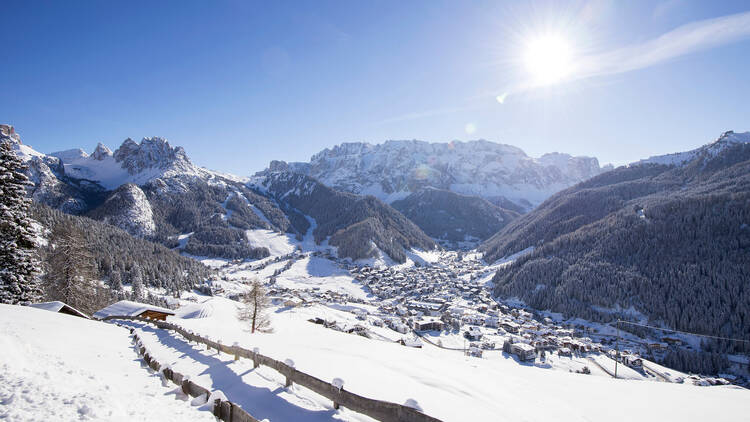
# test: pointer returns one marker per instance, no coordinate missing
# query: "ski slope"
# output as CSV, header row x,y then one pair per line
x,y
57,367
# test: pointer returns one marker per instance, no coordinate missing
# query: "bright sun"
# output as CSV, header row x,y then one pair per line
x,y
548,59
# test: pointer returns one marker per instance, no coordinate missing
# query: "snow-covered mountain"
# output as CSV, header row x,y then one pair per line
x,y
726,140
502,174
653,237
128,208
132,162
360,227
152,190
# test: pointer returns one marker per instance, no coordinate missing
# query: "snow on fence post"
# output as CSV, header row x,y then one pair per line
x,y
386,411
289,363
339,384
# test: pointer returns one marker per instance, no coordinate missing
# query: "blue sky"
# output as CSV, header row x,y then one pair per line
x,y
240,83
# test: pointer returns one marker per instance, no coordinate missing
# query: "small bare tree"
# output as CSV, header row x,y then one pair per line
x,y
256,304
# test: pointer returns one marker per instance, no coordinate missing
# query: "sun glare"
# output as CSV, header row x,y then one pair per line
x,y
548,59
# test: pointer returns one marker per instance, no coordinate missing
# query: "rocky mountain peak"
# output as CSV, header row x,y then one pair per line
x,y
151,153
101,152
7,131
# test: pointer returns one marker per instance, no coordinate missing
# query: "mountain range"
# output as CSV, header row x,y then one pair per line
x,y
152,190
502,174
665,239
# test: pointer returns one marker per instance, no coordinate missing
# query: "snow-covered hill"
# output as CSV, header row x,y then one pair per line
x,y
502,174
445,383
65,368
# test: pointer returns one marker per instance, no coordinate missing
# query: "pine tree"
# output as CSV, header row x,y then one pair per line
x,y
71,270
19,264
115,281
136,280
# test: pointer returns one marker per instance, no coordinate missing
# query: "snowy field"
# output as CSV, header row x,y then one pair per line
x,y
57,367
322,274
446,384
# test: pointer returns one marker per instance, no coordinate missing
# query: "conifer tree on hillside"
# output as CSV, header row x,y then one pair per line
x,y
71,271
19,265
136,282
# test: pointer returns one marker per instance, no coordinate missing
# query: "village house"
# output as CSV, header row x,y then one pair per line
x,y
134,309
431,324
509,326
473,334
525,352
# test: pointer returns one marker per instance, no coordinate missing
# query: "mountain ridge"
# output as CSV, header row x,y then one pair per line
x,y
392,170
669,240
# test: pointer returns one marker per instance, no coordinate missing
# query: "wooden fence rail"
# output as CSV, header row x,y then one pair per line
x,y
223,409
376,409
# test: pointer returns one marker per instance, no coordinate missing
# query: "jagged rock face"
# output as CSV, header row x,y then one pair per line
x,y
496,172
49,190
101,152
45,173
7,131
151,153
129,209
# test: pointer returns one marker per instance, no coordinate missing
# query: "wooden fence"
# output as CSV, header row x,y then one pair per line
x,y
223,409
376,409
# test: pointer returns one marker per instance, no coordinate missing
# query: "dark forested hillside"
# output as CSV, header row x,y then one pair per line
x,y
452,217
673,242
217,215
120,257
354,222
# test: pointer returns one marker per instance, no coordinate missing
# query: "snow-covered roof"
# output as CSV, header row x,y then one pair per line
x,y
523,346
129,308
56,306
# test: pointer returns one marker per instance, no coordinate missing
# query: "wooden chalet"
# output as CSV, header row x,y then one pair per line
x,y
134,309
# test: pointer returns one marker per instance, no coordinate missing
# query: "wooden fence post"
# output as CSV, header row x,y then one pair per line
x,y
217,408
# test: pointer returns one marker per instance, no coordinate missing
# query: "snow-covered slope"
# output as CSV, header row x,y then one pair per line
x,y
129,209
497,172
57,367
724,141
445,383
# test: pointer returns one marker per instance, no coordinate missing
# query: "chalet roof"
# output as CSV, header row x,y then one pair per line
x,y
523,346
57,306
129,308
